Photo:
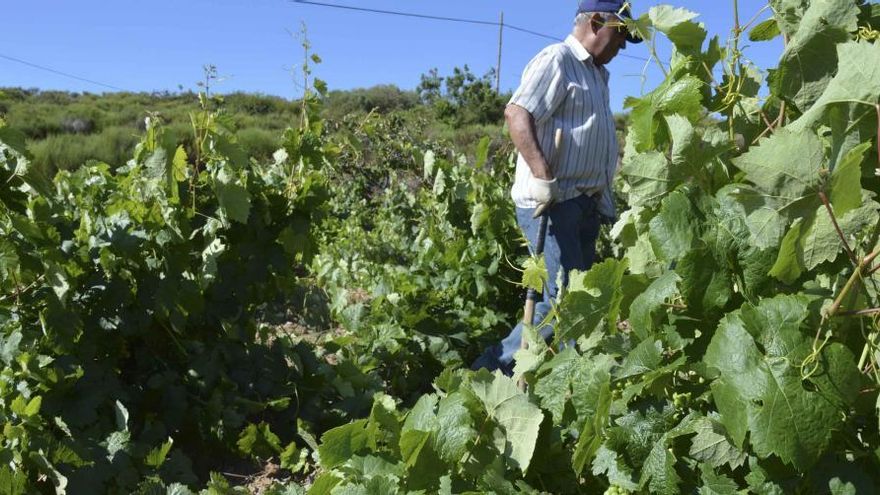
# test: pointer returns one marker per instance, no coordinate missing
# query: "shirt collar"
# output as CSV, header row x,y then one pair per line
x,y
580,52
583,55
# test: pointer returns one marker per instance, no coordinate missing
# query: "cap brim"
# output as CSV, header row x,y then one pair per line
x,y
632,38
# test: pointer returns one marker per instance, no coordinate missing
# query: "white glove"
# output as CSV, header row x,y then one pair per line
x,y
543,191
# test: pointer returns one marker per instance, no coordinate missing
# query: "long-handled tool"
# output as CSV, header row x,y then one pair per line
x,y
541,210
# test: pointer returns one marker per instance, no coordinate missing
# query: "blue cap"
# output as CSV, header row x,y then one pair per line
x,y
619,7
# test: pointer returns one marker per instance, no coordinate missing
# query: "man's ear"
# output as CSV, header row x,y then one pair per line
x,y
596,22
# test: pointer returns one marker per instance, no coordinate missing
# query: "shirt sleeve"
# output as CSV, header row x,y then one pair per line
x,y
543,86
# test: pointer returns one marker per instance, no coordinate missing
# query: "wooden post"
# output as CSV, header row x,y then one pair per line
x,y
500,45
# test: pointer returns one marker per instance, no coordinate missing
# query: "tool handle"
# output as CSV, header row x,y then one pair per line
x,y
532,295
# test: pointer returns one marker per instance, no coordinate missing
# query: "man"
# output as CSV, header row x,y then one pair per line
x,y
565,87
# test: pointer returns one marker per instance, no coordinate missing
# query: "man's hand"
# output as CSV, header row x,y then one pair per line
x,y
543,191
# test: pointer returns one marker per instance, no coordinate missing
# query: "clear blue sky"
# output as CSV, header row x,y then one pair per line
x,y
158,45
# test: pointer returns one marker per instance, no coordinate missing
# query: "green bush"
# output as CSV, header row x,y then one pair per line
x,y
64,151
384,98
259,143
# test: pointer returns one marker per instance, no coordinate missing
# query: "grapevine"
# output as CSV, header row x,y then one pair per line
x,y
731,348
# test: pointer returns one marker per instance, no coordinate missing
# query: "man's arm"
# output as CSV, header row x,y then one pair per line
x,y
525,138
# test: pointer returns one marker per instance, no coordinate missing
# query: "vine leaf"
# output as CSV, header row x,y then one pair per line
x,y
647,307
341,443
677,24
758,351
591,298
518,418
648,178
823,25
857,79
846,181
765,31
713,446
785,166
674,229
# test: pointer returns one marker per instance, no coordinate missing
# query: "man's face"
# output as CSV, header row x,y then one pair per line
x,y
610,38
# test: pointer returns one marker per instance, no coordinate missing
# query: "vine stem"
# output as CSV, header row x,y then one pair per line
x,y
856,276
849,251
18,291
755,17
869,346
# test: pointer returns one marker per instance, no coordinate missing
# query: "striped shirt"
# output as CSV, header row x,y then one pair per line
x,y
562,88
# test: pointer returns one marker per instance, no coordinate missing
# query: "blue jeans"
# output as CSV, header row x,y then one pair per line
x,y
572,231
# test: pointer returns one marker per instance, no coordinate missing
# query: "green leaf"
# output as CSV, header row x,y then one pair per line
x,y
839,487
677,25
411,444
713,446
786,165
341,443
761,389
674,229
46,468
666,17
117,442
325,483
706,283
572,377
533,356
120,412
608,462
658,472
806,246
258,441
156,457
763,216
846,181
677,95
765,31
647,356
598,394
642,260
456,428
591,297
822,242
518,418
534,273
293,458
384,426
647,308
683,96
823,25
13,482
9,347
717,484
422,416
235,200
9,261
648,178
857,80
790,264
